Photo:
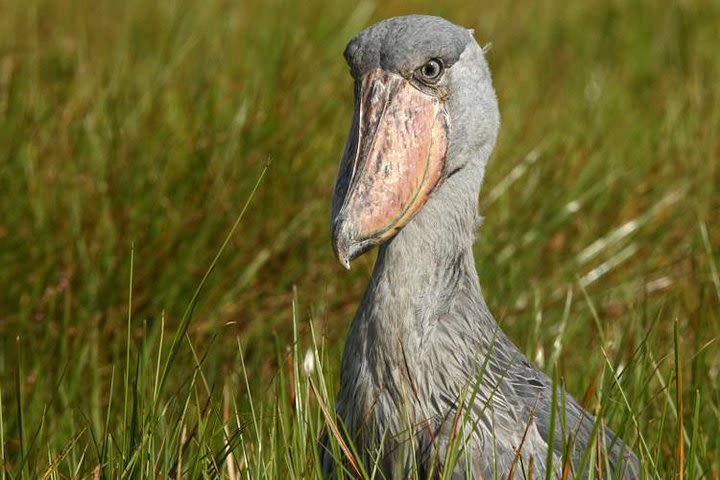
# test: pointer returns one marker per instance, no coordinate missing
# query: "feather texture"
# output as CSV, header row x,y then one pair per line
x,y
425,365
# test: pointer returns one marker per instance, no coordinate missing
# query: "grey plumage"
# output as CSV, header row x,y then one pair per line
x,y
423,350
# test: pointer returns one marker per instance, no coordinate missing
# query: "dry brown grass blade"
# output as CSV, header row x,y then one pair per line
x,y
566,471
59,457
183,439
230,458
336,432
599,456
516,460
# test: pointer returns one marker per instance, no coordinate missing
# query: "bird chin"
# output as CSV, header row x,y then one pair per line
x,y
394,158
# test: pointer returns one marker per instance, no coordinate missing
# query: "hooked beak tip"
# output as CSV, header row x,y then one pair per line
x,y
342,244
344,261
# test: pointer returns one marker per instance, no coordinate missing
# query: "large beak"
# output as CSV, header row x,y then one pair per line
x,y
394,157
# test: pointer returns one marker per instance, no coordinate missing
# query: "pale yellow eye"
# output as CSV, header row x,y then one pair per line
x,y
432,70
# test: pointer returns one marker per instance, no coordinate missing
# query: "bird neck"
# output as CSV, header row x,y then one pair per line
x,y
420,273
423,297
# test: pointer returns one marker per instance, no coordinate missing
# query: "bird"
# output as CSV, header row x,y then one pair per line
x,y
429,383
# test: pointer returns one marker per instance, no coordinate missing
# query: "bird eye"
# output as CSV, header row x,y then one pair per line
x,y
432,70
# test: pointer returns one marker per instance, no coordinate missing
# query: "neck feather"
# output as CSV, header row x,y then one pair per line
x,y
420,273
424,298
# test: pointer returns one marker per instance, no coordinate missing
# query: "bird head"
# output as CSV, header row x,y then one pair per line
x,y
424,107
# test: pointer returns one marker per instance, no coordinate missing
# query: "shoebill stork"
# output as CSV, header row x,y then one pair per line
x,y
425,365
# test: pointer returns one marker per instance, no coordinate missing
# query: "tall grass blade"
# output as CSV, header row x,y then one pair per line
x,y
680,446
3,460
187,316
128,340
23,472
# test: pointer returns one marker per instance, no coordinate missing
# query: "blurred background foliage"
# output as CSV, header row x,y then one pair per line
x,y
133,124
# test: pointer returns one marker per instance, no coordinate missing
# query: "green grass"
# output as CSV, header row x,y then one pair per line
x,y
132,134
